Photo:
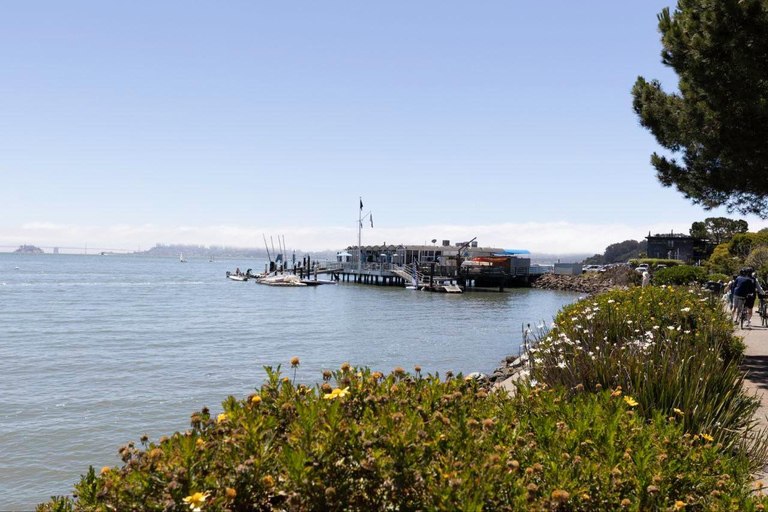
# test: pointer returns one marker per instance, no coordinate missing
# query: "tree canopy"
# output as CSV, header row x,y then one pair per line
x,y
718,230
715,128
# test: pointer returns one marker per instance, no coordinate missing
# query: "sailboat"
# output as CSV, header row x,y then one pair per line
x,y
181,258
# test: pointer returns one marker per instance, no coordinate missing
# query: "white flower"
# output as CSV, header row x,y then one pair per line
x,y
685,310
561,364
656,327
671,328
687,332
629,322
611,301
534,382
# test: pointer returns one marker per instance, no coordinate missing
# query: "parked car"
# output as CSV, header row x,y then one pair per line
x,y
642,268
591,268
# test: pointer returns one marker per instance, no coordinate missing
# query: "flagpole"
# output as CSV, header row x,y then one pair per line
x,y
360,237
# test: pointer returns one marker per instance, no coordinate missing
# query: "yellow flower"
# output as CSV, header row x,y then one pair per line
x,y
268,481
678,411
630,401
679,505
105,469
256,399
295,361
199,441
196,501
708,437
222,417
336,393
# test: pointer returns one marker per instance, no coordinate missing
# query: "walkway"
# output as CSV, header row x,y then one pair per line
x,y
756,365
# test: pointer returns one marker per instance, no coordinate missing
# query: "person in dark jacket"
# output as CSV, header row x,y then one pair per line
x,y
743,288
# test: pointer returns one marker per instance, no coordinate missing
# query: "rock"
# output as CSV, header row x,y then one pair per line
x,y
478,376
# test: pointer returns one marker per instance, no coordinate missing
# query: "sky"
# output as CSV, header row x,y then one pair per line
x,y
125,124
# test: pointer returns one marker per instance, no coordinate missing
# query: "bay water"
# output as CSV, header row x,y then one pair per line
x,y
97,350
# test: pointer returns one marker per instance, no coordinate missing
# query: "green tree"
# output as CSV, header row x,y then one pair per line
x,y
718,229
758,259
716,126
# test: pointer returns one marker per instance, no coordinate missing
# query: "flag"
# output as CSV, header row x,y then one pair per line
x,y
371,220
361,204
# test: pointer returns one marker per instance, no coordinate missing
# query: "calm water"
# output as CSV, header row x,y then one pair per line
x,y
95,351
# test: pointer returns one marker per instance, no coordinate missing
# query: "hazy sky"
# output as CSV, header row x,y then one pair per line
x,y
131,123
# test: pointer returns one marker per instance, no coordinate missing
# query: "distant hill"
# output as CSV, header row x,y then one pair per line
x,y
550,259
28,249
223,252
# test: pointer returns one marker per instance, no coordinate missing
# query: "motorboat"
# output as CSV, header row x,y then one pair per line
x,y
237,277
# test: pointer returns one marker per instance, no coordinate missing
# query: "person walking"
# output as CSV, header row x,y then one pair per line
x,y
744,286
731,285
750,302
646,279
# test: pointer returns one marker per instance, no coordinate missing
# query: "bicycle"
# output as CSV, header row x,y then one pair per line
x,y
763,310
744,311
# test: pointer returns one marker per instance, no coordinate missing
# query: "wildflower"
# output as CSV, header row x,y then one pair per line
x,y
685,310
561,364
268,481
625,503
198,443
560,495
294,362
105,469
611,301
417,368
230,492
708,437
196,501
398,370
337,393
630,401
345,367
679,505
222,418
534,383
652,489
678,411
256,399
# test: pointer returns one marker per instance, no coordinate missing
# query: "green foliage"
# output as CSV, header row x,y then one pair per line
x,y
718,230
670,349
758,259
655,262
680,275
410,442
719,277
722,261
618,253
716,123
742,244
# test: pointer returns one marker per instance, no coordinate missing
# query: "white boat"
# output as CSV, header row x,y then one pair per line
x,y
181,258
237,277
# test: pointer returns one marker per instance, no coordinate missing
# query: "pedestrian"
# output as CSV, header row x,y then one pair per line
x,y
744,286
646,279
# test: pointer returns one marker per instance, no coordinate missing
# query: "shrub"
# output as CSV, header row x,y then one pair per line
x,y
719,277
654,262
408,442
673,350
723,261
743,243
680,275
758,259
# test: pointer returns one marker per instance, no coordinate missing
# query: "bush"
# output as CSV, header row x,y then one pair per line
x,y
655,262
722,261
743,243
673,350
680,275
409,442
719,277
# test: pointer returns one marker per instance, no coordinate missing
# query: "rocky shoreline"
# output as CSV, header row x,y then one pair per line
x,y
591,284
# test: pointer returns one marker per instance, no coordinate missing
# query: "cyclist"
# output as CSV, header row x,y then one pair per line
x,y
744,286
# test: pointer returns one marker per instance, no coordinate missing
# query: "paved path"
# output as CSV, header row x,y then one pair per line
x,y
756,365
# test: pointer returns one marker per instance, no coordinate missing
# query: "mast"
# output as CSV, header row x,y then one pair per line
x,y
360,237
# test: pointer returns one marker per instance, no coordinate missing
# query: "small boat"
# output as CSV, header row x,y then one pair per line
x,y
237,277
181,258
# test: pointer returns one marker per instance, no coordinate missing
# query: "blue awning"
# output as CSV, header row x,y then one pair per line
x,y
511,252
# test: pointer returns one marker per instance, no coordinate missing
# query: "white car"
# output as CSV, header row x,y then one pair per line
x,y
641,268
592,268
